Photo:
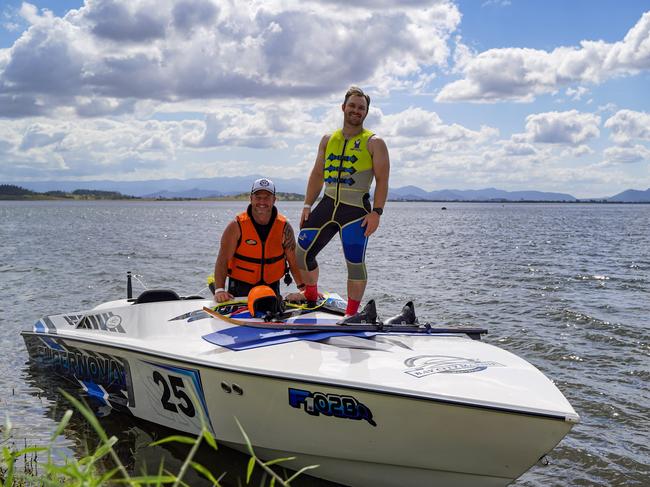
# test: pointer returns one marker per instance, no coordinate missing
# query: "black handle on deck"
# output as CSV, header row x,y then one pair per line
x,y
129,286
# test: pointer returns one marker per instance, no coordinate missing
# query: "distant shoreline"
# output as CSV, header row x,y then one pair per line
x,y
43,197
235,192
9,192
137,199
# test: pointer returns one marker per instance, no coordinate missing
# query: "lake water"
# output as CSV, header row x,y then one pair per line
x,y
565,286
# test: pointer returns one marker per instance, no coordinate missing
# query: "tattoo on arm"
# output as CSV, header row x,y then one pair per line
x,y
289,242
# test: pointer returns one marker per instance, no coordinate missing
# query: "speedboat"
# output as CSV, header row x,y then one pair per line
x,y
373,404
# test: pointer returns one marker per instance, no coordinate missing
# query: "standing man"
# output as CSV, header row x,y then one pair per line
x,y
346,163
254,248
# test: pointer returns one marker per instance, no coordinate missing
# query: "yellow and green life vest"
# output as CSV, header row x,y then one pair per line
x,y
348,170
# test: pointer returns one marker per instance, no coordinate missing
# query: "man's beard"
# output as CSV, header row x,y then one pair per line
x,y
353,120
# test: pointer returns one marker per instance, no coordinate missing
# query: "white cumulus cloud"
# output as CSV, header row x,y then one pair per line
x,y
521,74
37,135
577,93
172,51
626,155
571,127
626,125
425,126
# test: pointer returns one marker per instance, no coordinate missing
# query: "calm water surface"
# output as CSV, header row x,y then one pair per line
x,y
567,287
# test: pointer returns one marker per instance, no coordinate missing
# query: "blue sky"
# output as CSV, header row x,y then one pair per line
x,y
518,95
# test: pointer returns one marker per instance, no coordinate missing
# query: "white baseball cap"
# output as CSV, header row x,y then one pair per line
x,y
263,184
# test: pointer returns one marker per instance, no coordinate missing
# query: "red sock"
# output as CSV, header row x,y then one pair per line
x,y
353,307
311,292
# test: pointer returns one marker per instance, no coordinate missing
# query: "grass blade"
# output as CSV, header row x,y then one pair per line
x,y
62,425
177,438
249,469
205,472
88,414
246,438
148,479
278,460
301,471
94,422
209,438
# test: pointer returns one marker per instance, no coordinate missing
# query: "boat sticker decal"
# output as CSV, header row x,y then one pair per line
x,y
96,391
72,319
424,365
52,343
101,321
45,325
195,315
110,372
316,403
176,394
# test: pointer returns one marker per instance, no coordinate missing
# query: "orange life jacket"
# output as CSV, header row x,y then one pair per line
x,y
254,263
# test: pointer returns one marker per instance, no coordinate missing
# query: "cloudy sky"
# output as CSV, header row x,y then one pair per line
x,y
550,95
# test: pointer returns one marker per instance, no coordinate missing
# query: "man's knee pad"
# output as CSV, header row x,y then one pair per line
x,y
301,258
306,262
357,271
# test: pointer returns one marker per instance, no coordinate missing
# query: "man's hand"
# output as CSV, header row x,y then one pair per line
x,y
304,215
295,297
222,296
370,223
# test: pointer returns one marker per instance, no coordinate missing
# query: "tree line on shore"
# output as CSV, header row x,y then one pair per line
x,y
12,192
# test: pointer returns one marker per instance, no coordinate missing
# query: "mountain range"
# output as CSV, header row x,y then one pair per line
x,y
228,186
487,194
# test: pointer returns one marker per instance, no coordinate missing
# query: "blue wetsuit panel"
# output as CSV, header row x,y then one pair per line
x,y
306,237
354,242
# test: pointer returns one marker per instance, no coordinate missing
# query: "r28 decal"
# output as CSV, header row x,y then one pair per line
x,y
175,386
315,403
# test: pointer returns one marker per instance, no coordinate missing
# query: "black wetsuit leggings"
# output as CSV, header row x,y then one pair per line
x,y
323,223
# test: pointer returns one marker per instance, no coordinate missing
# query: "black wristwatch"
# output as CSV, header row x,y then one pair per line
x,y
379,211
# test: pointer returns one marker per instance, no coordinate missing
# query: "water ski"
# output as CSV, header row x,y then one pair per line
x,y
474,333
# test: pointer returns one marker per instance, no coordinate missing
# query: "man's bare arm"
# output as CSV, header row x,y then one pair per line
x,y
381,168
227,248
289,244
289,239
315,182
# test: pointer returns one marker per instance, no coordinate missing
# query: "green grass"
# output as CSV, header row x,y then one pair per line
x,y
36,465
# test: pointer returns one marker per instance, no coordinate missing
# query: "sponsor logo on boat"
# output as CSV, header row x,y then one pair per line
x,y
317,403
250,241
113,322
424,365
110,372
101,321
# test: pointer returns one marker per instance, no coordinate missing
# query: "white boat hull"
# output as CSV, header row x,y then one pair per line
x,y
415,410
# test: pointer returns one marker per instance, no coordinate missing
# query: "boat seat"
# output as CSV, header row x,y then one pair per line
x,y
156,295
